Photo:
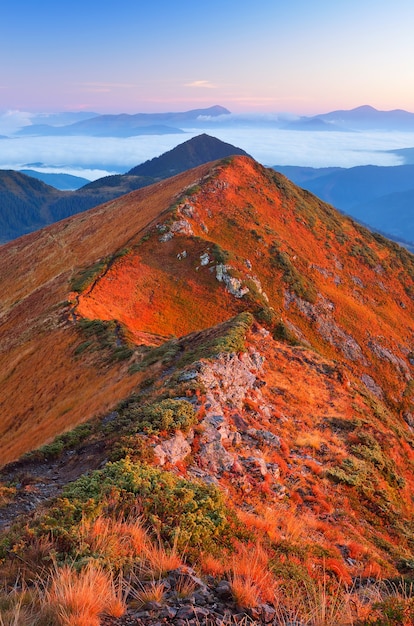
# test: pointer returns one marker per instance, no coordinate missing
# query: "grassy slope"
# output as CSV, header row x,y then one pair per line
x,y
336,492
38,337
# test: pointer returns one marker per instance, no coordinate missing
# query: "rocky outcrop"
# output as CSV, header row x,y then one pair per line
x,y
173,450
321,314
208,602
233,285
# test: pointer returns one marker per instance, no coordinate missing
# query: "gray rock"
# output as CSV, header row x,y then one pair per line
x,y
186,612
188,375
169,612
166,237
223,590
372,386
173,450
182,227
268,613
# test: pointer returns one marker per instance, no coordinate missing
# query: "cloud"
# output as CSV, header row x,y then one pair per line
x,y
205,84
11,121
278,147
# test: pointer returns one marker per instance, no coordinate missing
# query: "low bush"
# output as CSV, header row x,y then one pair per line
x,y
167,415
189,513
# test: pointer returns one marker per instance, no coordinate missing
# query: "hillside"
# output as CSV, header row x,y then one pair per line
x,y
64,182
378,196
26,206
237,358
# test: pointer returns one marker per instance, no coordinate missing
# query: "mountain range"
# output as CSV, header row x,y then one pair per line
x,y
124,125
380,197
361,118
225,361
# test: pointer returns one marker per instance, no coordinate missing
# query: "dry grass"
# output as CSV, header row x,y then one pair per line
x,y
79,598
255,522
211,566
185,586
328,606
116,604
249,575
115,539
14,610
152,592
245,591
287,523
312,440
159,560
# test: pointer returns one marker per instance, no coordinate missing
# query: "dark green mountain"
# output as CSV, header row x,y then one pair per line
x,y
64,182
185,156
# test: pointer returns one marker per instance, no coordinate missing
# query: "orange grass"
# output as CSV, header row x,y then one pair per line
x,y
114,539
79,598
153,592
249,574
159,560
246,592
211,566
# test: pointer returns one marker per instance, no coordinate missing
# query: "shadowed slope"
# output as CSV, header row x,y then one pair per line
x,y
191,153
38,336
27,205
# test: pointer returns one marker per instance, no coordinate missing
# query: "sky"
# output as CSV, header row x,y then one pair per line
x,y
270,56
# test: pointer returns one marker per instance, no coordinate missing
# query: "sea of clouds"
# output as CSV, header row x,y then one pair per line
x,y
93,157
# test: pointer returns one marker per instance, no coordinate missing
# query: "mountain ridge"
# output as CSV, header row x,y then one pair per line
x,y
229,356
126,125
20,213
112,218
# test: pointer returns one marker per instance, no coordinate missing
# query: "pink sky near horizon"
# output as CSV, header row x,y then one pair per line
x,y
300,57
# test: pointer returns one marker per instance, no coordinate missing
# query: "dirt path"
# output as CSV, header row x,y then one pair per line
x,y
37,481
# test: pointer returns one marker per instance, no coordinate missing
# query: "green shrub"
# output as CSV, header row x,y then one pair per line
x,y
227,337
351,472
164,353
191,513
66,441
167,415
88,275
282,332
133,446
298,283
365,254
219,254
105,335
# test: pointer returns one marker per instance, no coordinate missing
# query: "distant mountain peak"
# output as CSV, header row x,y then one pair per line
x,y
196,151
127,125
364,107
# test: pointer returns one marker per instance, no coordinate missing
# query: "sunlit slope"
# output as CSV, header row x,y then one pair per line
x,y
246,238
183,255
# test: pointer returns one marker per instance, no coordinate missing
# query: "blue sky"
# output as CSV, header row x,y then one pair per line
x,y
270,56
